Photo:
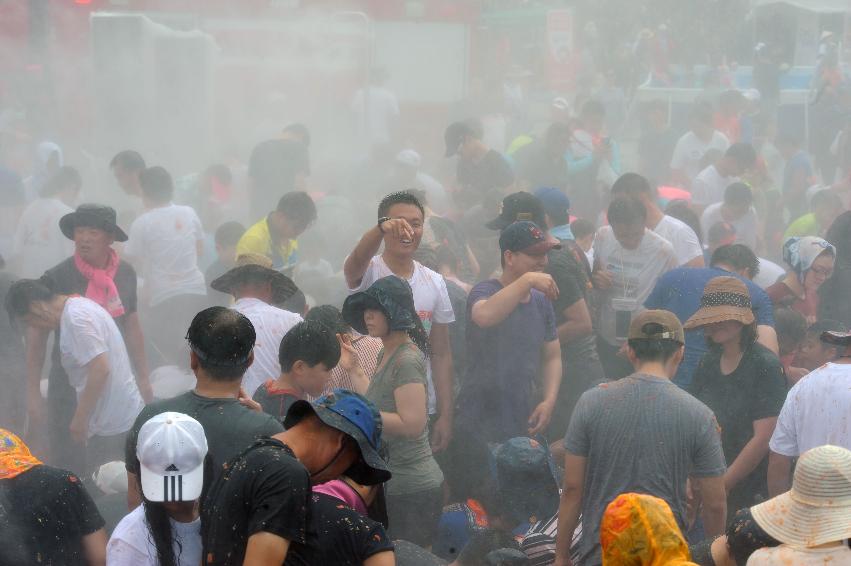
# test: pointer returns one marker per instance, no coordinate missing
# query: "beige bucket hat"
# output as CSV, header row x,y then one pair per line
x,y
817,509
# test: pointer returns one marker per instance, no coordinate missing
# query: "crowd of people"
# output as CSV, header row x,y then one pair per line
x,y
545,360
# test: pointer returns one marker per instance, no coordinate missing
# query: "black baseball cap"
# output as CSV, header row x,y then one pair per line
x,y
455,134
526,237
519,206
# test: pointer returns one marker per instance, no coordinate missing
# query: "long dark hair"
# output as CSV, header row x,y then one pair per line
x,y
159,526
746,339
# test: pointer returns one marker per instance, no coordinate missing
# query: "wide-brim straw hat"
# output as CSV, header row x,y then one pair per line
x,y
817,509
724,298
255,267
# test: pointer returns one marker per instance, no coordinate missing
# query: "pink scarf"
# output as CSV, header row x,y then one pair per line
x,y
102,289
342,491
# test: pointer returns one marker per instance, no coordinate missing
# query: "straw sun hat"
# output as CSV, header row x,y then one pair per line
x,y
724,298
817,509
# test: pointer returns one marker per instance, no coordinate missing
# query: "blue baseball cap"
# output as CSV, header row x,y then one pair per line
x,y
553,199
356,416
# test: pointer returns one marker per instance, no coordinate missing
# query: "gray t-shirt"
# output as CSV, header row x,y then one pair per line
x,y
639,434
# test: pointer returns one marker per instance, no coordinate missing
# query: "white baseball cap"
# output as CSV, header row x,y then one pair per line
x,y
171,449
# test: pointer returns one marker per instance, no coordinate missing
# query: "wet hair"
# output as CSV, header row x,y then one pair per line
x,y
582,227
159,524
402,197
632,184
743,153
297,303
445,256
790,325
826,199
720,231
301,131
483,543
626,210
311,342
419,194
64,178
681,210
222,339
647,350
128,160
297,205
738,194
427,256
156,184
330,317
737,256
229,234
22,293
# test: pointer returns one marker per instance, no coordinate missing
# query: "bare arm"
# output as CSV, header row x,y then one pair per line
x,y
411,415
570,505
752,454
36,344
94,548
779,474
496,308
551,380
97,372
386,558
714,498
136,348
356,264
577,322
134,497
441,373
767,336
265,549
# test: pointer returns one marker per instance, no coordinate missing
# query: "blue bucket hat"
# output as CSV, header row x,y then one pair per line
x,y
527,478
356,416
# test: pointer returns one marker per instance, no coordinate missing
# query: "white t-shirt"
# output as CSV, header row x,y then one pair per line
x,y
769,273
131,543
634,274
683,239
87,331
689,151
785,555
164,244
376,113
817,411
39,243
431,299
709,186
746,226
270,326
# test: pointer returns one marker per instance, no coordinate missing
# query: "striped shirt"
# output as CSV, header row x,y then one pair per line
x,y
539,542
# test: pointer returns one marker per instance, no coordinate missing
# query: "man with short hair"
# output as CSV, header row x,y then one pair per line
x,y
221,343
680,290
127,165
628,260
736,209
512,340
256,511
480,168
276,235
640,434
709,185
165,243
94,271
825,207
278,166
401,218
259,290
692,147
813,352
815,413
679,234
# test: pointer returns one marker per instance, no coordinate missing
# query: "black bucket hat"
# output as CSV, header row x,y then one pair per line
x,y
527,477
256,267
356,416
391,295
836,338
97,216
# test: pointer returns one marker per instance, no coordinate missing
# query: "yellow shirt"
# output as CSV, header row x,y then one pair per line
x,y
258,240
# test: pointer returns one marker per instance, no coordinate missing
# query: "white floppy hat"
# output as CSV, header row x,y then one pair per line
x,y
171,449
817,509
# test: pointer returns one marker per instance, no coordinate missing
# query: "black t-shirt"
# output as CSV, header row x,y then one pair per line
x,y
273,167
44,514
490,172
755,390
339,535
263,489
229,426
570,279
275,401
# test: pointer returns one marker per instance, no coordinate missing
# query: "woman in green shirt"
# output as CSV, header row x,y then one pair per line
x,y
399,390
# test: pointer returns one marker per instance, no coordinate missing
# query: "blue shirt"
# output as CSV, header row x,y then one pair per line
x,y
562,232
680,290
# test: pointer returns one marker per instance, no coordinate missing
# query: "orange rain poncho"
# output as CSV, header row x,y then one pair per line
x,y
15,457
640,530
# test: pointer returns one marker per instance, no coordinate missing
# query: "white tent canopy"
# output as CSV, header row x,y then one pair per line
x,y
819,6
